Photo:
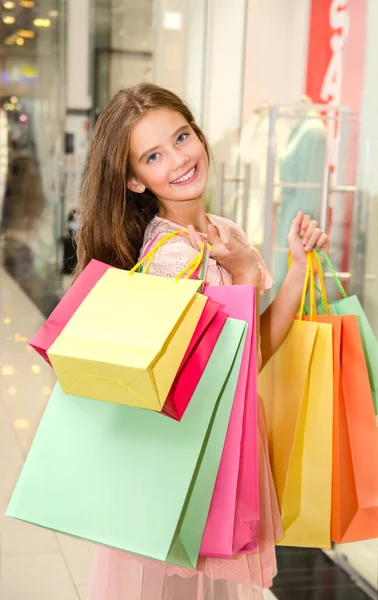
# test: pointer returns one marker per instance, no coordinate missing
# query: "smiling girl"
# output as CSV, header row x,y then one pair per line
x,y
146,175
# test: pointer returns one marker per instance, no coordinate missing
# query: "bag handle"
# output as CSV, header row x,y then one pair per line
x,y
305,286
150,255
309,282
189,270
334,274
323,291
205,263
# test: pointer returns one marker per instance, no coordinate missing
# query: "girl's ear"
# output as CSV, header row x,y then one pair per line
x,y
135,186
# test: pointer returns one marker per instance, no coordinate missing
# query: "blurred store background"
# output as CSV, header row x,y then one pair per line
x,y
286,91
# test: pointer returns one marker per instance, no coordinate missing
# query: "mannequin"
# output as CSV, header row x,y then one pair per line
x,y
303,161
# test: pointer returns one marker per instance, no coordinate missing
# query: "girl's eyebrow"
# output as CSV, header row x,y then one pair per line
x,y
151,150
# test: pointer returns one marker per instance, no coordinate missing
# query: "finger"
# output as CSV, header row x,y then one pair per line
x,y
194,238
309,231
296,225
212,235
323,242
316,235
305,223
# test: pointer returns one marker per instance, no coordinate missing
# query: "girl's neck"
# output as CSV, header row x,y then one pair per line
x,y
187,213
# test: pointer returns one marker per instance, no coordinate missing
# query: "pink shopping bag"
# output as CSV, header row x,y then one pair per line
x,y
233,521
195,360
49,332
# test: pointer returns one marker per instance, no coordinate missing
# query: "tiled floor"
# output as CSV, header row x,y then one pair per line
x,y
37,564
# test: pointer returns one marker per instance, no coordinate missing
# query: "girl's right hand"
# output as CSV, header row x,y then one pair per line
x,y
230,251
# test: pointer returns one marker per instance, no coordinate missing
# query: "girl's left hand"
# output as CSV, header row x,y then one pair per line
x,y
305,235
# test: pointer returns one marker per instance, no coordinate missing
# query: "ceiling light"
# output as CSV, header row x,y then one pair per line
x,y
26,33
27,3
42,22
9,5
11,39
8,20
7,321
20,41
35,369
172,20
53,13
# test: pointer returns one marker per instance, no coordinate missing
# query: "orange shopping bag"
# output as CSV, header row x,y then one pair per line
x,y
355,473
355,435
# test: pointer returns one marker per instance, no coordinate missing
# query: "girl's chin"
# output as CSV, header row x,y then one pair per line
x,y
192,192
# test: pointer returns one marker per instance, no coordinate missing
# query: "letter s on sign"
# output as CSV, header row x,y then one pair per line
x,y
339,17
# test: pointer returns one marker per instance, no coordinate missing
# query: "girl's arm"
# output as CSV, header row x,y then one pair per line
x,y
277,319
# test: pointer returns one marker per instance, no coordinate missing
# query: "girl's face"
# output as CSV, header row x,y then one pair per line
x,y
167,157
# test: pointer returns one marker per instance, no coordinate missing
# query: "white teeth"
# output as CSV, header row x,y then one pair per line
x,y
186,177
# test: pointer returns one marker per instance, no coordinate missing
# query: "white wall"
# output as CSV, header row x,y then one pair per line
x,y
171,22
224,68
276,52
132,38
78,40
196,57
180,49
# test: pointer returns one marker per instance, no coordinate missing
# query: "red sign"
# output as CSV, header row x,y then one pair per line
x,y
335,70
329,31
336,52
319,49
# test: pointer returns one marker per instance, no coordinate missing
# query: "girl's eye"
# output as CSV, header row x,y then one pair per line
x,y
153,158
182,137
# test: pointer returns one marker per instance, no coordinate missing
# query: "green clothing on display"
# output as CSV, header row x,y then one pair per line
x,y
303,162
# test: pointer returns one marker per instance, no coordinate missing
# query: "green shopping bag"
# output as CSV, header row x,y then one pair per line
x,y
129,478
350,305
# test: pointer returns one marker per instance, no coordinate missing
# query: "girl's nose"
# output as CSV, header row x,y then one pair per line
x,y
179,161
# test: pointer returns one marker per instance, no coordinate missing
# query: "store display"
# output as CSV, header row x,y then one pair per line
x,y
303,162
252,151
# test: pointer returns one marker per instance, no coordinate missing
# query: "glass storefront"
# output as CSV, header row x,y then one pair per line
x,y
32,71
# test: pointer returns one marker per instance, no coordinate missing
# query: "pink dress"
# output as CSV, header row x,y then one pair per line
x,y
120,576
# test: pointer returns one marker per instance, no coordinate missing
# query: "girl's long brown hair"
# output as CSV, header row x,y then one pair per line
x,y
113,218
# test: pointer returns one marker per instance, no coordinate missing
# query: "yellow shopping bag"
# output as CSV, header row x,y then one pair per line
x,y
297,389
127,339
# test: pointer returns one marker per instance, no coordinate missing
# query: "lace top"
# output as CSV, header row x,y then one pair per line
x,y
177,252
